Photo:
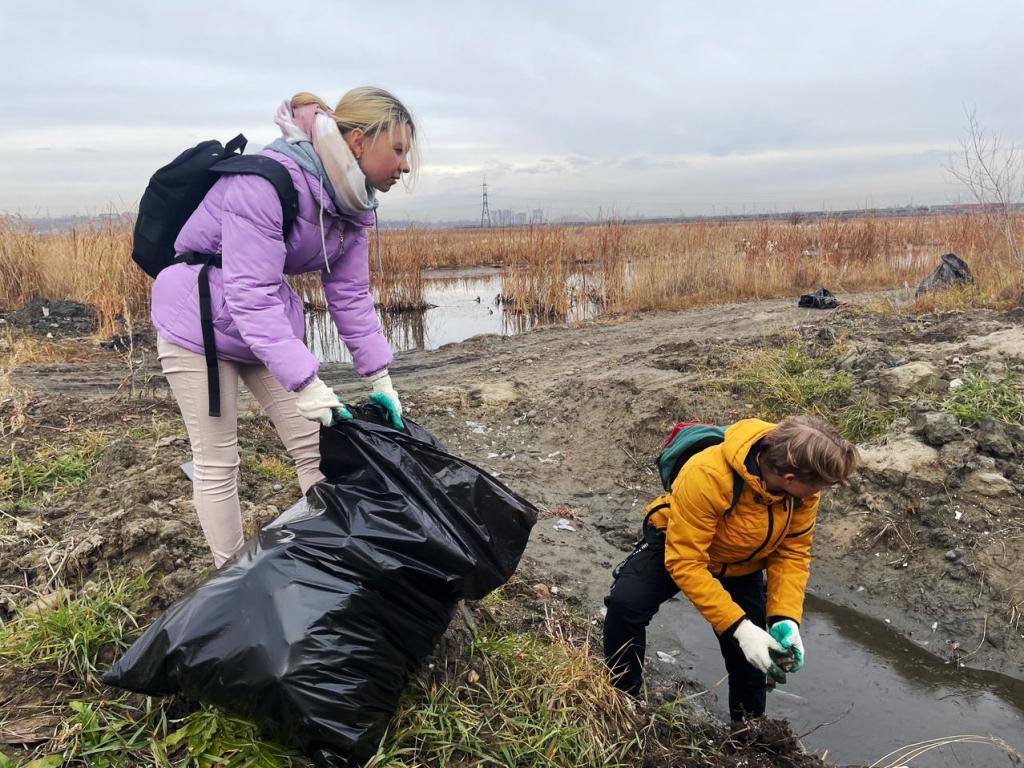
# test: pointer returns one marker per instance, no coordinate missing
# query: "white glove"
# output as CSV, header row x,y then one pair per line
x,y
755,644
384,394
317,402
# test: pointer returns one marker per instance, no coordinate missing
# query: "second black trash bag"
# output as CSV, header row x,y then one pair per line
x,y
313,630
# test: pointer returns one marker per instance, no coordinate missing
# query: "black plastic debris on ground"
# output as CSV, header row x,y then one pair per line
x,y
952,270
822,298
57,318
314,628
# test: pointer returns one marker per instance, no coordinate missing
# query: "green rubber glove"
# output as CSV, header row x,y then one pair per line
x,y
384,394
393,406
787,633
341,413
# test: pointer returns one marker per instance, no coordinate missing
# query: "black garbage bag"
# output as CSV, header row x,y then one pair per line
x,y
313,629
952,270
822,298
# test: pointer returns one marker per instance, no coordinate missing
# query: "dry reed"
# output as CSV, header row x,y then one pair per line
x,y
549,271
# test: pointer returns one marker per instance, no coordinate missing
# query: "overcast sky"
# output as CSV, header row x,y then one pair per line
x,y
582,108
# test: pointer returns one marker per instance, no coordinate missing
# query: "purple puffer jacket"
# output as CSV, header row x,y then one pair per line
x,y
256,315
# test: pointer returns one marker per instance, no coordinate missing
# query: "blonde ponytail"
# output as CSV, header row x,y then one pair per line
x,y
303,98
372,110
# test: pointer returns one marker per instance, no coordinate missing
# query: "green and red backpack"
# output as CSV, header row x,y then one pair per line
x,y
686,441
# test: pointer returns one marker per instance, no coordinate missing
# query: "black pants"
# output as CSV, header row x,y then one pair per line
x,y
641,585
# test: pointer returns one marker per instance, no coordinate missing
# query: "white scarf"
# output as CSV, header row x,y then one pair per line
x,y
346,181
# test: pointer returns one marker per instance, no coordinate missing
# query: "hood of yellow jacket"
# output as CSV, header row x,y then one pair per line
x,y
739,439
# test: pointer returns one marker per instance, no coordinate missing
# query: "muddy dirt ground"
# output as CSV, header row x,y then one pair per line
x,y
929,536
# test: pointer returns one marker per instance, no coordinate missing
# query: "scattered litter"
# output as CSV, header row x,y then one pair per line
x,y
887,621
822,298
554,590
476,428
492,455
860,588
952,270
955,384
786,694
24,525
935,625
563,525
668,658
957,514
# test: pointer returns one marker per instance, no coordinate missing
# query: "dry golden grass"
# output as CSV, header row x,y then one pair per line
x,y
549,271
91,265
18,349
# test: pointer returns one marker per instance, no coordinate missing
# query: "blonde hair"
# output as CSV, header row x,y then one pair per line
x,y
810,449
371,110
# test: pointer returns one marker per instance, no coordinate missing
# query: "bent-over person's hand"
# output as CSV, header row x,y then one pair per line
x,y
756,645
787,633
384,394
317,402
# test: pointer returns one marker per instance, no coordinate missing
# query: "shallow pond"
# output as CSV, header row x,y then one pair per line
x,y
465,304
876,690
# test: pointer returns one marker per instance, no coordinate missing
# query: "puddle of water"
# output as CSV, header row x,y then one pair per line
x,y
879,690
464,306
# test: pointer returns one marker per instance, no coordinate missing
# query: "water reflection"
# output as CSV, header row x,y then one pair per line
x,y
464,303
867,690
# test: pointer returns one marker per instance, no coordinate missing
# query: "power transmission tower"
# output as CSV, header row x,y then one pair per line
x,y
485,212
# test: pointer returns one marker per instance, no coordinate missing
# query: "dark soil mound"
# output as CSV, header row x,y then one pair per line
x,y
60,318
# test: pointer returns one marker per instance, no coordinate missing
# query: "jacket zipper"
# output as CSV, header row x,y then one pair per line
x,y
789,517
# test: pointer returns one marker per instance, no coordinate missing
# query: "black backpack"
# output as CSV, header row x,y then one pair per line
x,y
177,189
173,194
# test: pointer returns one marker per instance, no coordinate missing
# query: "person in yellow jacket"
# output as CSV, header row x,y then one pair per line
x,y
737,510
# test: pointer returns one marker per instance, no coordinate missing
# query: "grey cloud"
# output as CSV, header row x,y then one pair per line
x,y
566,104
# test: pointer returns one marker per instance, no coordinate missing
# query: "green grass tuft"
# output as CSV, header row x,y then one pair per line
x,y
271,468
981,398
788,381
78,630
51,470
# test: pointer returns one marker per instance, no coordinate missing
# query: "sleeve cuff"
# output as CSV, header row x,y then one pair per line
x,y
732,629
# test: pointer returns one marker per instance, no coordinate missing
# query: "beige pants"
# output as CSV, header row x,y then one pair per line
x,y
215,438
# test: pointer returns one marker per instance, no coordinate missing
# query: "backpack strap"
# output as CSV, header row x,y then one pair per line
x,y
256,165
271,170
236,145
206,323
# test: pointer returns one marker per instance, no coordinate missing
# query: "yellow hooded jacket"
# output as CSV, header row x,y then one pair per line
x,y
764,530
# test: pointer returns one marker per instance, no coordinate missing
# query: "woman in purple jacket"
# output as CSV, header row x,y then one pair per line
x,y
337,161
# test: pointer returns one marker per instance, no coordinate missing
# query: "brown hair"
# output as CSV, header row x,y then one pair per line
x,y
372,110
810,449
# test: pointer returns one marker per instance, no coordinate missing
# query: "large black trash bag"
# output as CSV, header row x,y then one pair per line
x,y
313,629
952,270
822,298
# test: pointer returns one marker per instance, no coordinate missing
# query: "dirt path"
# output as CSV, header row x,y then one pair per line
x,y
571,418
